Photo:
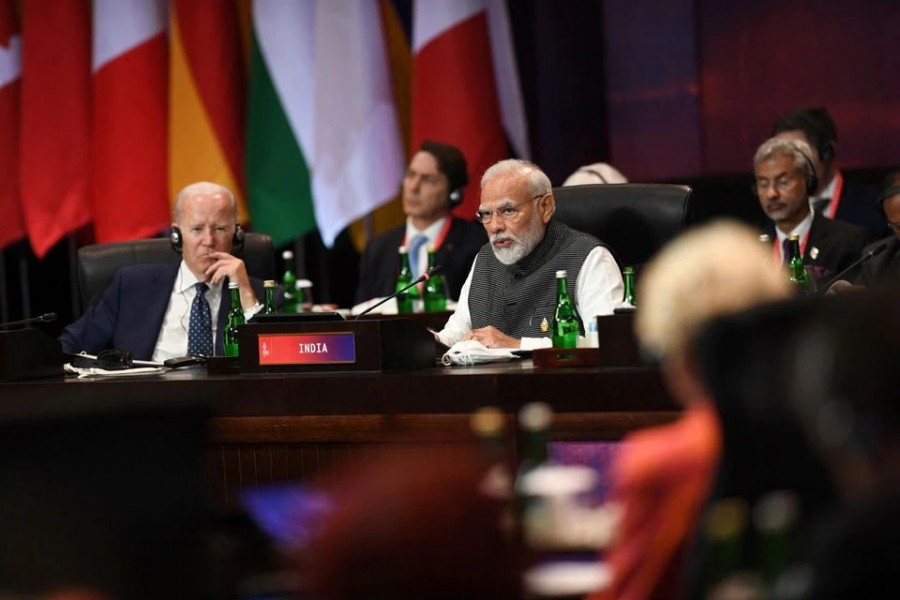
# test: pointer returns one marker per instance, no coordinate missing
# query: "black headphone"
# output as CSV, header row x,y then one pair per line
x,y
177,240
455,197
812,182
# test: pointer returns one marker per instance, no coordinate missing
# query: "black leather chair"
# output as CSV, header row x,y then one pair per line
x,y
634,219
97,264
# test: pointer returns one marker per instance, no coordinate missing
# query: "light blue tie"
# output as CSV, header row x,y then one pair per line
x,y
200,326
414,246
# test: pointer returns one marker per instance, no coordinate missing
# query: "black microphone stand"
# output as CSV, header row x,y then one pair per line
x,y
423,277
44,318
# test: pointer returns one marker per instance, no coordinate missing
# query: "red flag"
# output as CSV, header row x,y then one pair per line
x,y
12,227
55,120
454,89
129,119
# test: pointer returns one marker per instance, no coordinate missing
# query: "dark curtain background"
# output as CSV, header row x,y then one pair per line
x,y
665,90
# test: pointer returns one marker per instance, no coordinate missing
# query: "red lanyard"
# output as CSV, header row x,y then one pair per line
x,y
836,196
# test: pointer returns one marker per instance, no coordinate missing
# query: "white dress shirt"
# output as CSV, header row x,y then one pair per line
x,y
431,232
173,335
801,230
598,290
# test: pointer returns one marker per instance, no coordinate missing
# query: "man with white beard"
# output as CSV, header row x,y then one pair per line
x,y
509,297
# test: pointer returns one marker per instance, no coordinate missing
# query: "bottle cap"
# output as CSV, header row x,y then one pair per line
x,y
794,236
269,283
287,255
402,249
561,274
629,270
232,285
535,416
487,421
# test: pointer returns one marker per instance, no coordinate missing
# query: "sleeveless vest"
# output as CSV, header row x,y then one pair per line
x,y
517,298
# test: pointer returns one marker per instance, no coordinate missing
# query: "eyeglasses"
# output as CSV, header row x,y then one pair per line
x,y
508,213
782,184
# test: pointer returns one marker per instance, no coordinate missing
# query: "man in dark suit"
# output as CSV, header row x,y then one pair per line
x,y
157,311
834,196
432,186
884,267
784,180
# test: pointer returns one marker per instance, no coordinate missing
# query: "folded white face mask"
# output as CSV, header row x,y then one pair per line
x,y
473,352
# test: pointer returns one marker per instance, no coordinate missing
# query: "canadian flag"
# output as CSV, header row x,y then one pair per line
x,y
130,198
466,86
55,120
12,228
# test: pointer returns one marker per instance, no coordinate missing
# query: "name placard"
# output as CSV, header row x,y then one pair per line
x,y
306,348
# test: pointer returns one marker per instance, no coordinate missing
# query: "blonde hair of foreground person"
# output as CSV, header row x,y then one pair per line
x,y
706,272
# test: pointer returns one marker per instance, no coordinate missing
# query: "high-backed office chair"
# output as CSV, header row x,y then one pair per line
x,y
97,264
634,219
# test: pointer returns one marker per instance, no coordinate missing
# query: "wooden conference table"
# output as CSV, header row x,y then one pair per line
x,y
273,427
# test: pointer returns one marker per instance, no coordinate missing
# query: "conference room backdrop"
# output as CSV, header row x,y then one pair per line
x,y
309,109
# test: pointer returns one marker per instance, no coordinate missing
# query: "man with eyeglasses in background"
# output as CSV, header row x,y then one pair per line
x,y
509,297
785,178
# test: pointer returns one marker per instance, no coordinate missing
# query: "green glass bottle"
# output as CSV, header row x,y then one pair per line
x,y
406,300
289,283
797,274
628,278
565,328
535,420
235,319
724,530
775,517
269,303
435,293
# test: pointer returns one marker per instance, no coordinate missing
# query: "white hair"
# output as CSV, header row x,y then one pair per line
x,y
203,188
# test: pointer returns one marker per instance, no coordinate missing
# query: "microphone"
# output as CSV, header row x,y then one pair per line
x,y
44,318
866,256
423,277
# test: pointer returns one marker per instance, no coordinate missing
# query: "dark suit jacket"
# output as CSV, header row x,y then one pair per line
x,y
859,205
129,314
883,268
838,244
835,245
379,265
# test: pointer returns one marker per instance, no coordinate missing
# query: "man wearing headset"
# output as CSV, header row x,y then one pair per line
x,y
785,178
835,196
162,311
432,186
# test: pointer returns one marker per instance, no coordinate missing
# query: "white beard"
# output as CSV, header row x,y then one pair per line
x,y
521,245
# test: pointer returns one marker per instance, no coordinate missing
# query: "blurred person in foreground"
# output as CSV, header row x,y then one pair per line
x,y
413,526
785,176
148,309
844,382
432,187
662,475
509,298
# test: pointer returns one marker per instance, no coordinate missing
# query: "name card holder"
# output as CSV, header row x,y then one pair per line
x,y
330,346
618,344
29,354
